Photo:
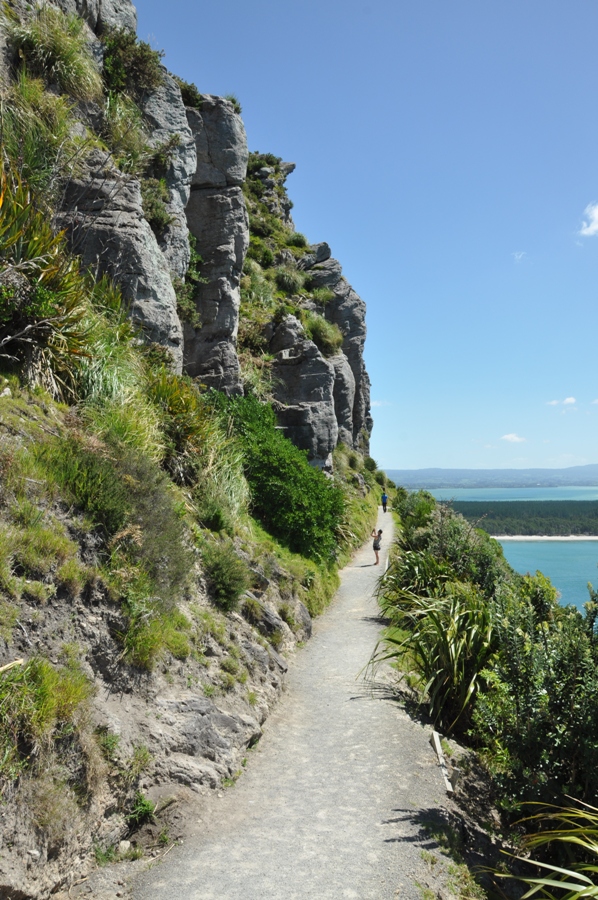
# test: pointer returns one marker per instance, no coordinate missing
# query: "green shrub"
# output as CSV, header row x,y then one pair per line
x,y
287,615
108,742
154,196
295,502
235,102
290,281
132,500
326,336
53,46
37,701
142,811
37,549
322,295
186,289
296,239
189,92
130,65
43,313
259,160
125,135
380,478
370,464
227,575
252,610
36,132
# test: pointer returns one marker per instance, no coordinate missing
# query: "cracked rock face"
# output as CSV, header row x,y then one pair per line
x,y
102,14
347,310
304,393
104,221
164,112
217,217
344,397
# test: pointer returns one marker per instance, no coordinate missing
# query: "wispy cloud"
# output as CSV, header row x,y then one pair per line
x,y
589,228
594,401
553,403
381,403
518,255
569,401
513,438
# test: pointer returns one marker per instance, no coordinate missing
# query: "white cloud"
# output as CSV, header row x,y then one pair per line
x,y
513,438
518,255
590,228
568,401
380,403
594,401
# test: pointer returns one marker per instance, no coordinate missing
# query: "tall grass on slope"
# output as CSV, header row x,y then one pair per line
x,y
38,703
36,132
42,291
53,46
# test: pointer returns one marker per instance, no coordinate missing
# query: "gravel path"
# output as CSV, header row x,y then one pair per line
x,y
332,801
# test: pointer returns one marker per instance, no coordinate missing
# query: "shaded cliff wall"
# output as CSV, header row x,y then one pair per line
x,y
217,217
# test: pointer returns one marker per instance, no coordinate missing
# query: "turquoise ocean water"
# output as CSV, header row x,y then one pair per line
x,y
558,493
568,564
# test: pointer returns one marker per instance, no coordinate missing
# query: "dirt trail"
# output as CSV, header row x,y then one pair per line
x,y
332,801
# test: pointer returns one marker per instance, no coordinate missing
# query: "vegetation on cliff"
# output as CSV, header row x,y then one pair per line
x,y
124,487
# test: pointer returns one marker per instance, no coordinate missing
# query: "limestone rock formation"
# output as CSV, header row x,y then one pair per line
x,y
217,217
103,216
102,14
344,397
347,310
165,115
304,393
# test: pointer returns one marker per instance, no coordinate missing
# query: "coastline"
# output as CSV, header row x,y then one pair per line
x,y
545,537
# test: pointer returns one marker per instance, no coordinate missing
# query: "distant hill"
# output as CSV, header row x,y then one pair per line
x,y
582,476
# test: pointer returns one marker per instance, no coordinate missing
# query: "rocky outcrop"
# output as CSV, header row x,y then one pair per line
x,y
347,310
103,217
277,202
344,398
102,14
217,217
304,392
165,115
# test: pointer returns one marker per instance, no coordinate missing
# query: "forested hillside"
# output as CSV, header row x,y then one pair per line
x,y
549,517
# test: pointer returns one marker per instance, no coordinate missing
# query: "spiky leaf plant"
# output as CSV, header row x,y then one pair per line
x,y
574,830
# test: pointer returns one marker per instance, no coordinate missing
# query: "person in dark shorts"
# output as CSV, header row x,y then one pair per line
x,y
377,535
384,500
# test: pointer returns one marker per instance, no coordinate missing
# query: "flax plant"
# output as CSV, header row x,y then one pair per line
x,y
573,830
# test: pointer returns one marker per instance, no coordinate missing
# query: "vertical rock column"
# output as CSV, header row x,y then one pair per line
x,y
217,217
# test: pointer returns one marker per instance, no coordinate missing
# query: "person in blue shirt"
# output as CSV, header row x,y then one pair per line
x,y
384,500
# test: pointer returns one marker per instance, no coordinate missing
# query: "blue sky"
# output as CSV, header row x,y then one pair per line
x,y
448,153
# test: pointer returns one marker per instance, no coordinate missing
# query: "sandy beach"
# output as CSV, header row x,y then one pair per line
x,y
545,537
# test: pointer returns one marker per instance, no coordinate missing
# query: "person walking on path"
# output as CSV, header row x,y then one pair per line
x,y
384,500
377,535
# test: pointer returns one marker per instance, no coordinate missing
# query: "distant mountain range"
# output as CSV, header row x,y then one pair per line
x,y
582,476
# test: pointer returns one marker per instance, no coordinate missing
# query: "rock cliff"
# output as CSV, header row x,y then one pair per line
x,y
196,158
